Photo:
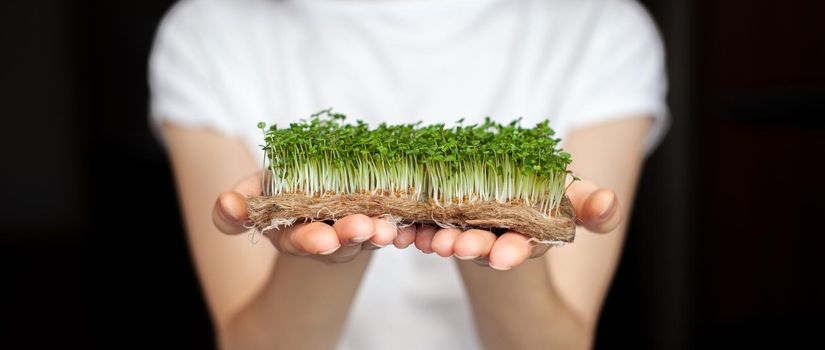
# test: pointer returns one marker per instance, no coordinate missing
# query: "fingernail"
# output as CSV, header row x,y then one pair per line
x,y
226,216
328,252
609,210
500,268
378,245
465,257
360,239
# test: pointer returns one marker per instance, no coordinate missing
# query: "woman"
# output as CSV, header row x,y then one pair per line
x,y
594,67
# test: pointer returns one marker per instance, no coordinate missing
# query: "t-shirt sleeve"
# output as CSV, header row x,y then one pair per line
x,y
181,74
620,74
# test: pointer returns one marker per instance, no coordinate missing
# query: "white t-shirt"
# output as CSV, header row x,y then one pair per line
x,y
227,64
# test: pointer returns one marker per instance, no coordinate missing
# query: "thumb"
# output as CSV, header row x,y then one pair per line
x,y
597,209
229,212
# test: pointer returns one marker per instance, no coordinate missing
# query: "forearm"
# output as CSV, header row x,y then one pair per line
x,y
554,302
519,309
303,305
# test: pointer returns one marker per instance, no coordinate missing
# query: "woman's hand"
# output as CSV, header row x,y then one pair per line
x,y
340,242
597,209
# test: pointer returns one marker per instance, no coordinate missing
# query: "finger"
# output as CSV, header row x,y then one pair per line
x,y
312,238
229,212
424,238
510,250
384,232
444,240
405,237
596,208
474,244
281,239
601,211
354,229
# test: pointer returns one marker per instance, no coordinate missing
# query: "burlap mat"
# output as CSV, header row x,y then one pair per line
x,y
267,213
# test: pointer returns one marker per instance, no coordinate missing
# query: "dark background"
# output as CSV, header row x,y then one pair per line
x,y
724,246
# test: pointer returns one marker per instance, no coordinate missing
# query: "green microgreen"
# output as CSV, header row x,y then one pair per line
x,y
490,161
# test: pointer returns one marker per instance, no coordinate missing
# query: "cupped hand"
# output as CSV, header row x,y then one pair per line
x,y
339,242
597,210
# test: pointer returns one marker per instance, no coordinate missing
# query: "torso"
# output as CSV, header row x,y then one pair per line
x,y
434,61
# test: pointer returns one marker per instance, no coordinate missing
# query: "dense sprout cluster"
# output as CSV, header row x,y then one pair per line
x,y
444,165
